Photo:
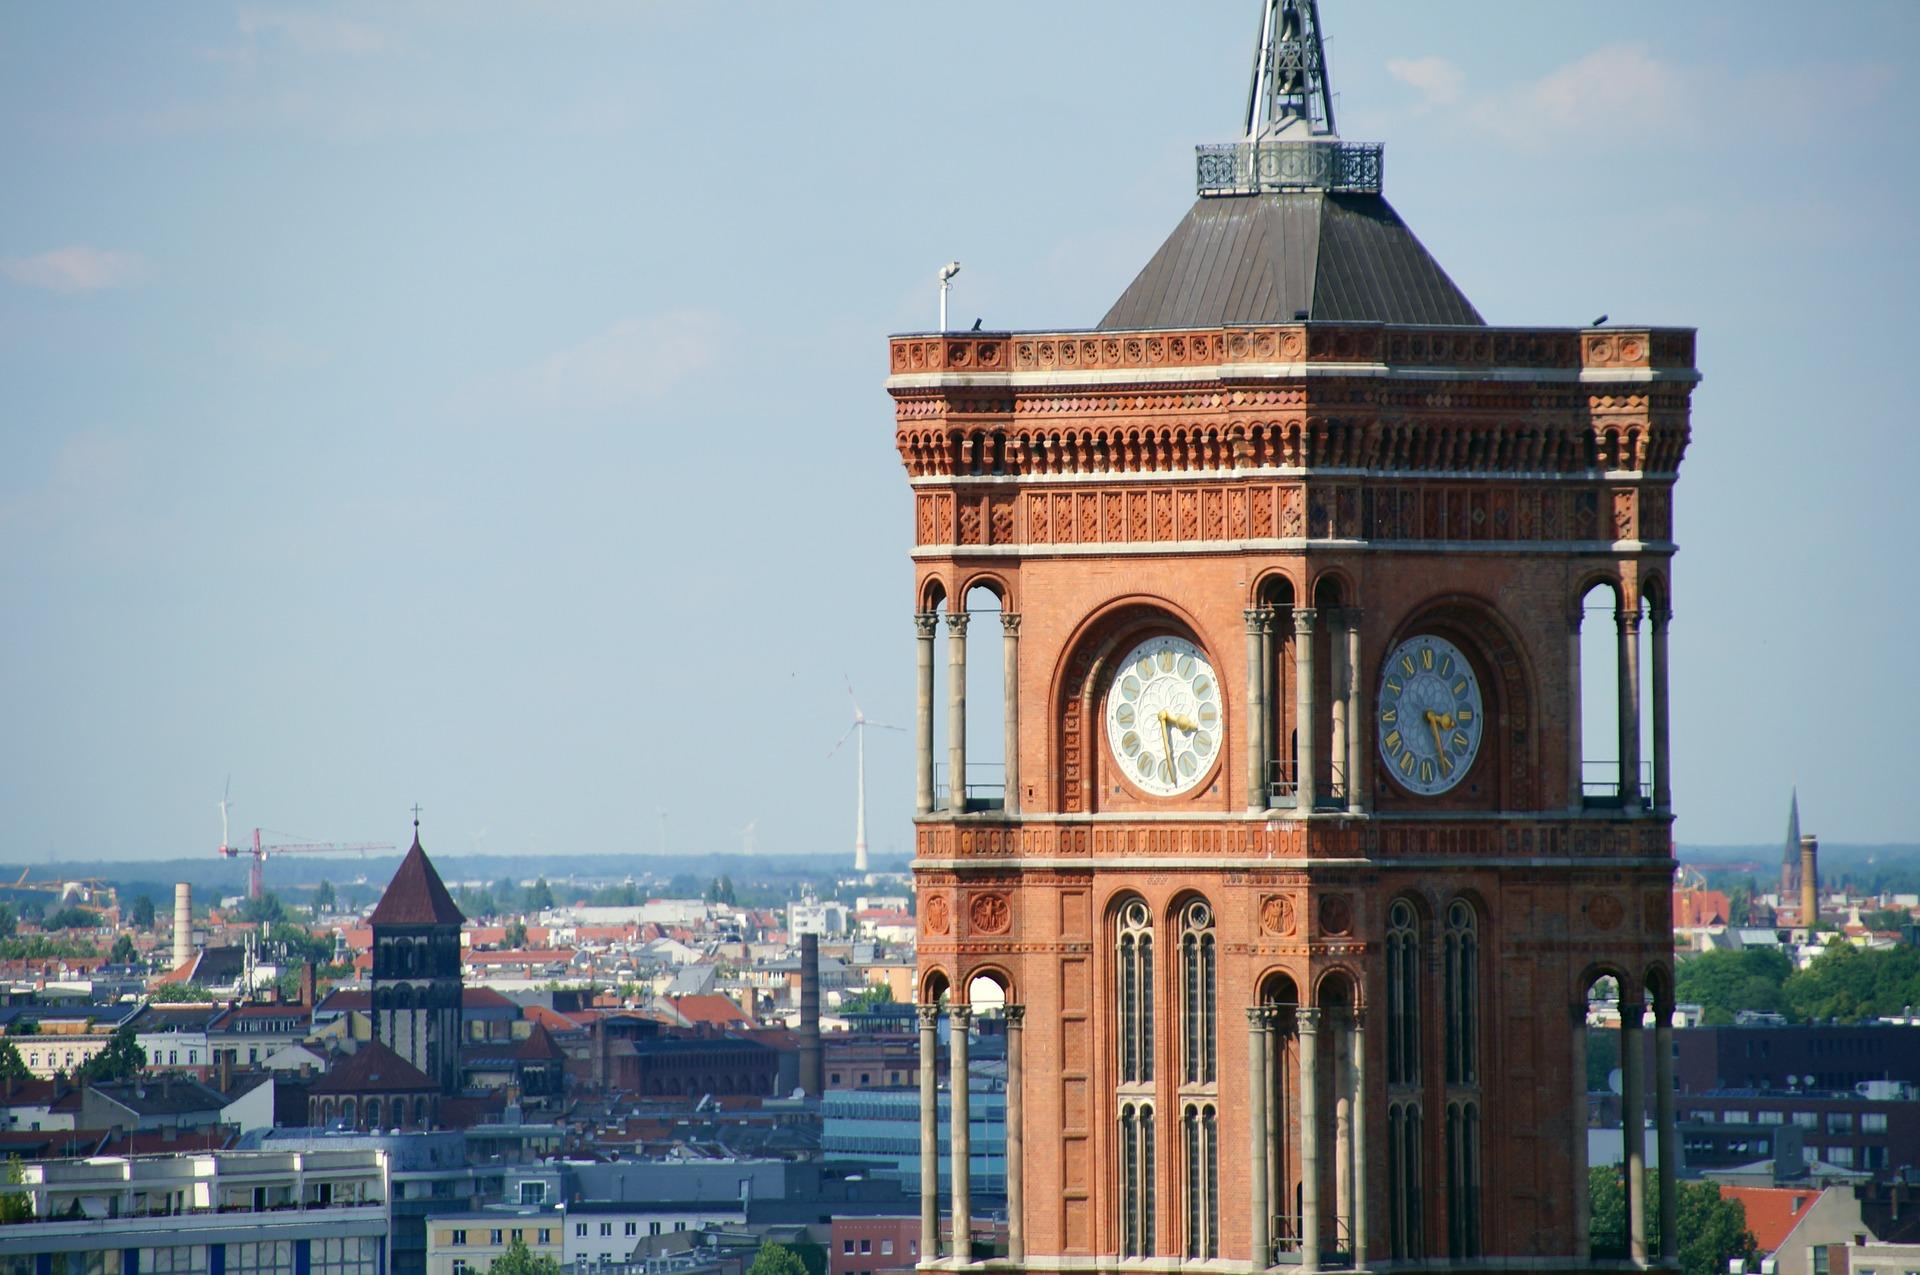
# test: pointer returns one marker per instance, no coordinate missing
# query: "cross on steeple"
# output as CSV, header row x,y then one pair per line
x,y
416,819
1289,92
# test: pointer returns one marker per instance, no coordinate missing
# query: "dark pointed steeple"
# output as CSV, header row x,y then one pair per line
x,y
416,895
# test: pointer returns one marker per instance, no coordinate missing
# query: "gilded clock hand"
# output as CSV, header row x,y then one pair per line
x,y
1166,736
1184,723
1433,724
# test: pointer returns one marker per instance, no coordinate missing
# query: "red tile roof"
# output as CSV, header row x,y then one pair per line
x,y
373,1068
1772,1212
714,1010
539,1047
416,895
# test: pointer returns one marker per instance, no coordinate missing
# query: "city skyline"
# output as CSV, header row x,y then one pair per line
x,y
426,405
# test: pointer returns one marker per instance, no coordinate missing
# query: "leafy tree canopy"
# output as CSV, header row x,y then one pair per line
x,y
776,1259
12,1066
120,1059
520,1260
1713,1229
142,914
1725,982
1851,983
122,952
73,918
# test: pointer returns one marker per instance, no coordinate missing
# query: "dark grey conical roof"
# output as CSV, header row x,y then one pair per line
x,y
1266,258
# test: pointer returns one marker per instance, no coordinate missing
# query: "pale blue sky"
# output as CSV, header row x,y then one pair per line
x,y
483,406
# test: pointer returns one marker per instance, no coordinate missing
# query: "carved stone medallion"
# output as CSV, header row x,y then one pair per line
x,y
1605,912
939,914
1336,914
990,913
1276,914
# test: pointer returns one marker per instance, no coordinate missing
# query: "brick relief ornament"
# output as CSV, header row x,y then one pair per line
x,y
990,913
939,915
1605,912
1276,914
1336,915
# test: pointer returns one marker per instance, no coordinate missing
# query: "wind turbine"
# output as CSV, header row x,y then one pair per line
x,y
859,732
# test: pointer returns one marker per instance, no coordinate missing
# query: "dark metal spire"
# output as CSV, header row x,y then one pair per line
x,y
1289,73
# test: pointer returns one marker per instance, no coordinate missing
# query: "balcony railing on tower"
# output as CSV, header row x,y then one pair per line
x,y
1600,783
986,786
1252,168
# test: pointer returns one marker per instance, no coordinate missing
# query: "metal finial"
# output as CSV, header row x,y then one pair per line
x,y
416,819
1289,73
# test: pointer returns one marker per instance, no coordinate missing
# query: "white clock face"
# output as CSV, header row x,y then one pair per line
x,y
1429,715
1163,716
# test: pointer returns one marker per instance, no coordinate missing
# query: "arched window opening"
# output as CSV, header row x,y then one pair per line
x,y
1134,953
1197,1011
986,995
1609,733
1333,677
1137,1172
987,679
1200,1125
1277,739
1405,1157
1462,985
1463,1179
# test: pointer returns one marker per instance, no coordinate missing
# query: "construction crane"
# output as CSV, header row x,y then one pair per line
x,y
260,851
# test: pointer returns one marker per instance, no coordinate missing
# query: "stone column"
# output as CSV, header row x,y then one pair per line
x,y
1627,625
1010,705
1303,624
1260,1248
1360,725
1362,1131
1270,683
1576,756
957,711
1256,710
1338,688
960,1017
1582,1206
1664,1132
1309,1028
924,624
1662,770
929,1133
1633,1127
1016,1135
1342,1069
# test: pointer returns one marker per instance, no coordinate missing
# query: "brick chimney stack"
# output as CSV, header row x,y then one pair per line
x,y
810,1060
1809,881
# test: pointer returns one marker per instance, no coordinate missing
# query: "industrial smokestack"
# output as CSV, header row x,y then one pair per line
x,y
182,924
1809,881
810,1014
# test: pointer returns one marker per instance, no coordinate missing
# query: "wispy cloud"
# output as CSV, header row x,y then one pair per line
x,y
628,364
1436,79
74,268
1624,93
314,32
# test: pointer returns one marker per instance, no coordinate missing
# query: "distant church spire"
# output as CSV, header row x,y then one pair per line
x,y
1790,860
1289,90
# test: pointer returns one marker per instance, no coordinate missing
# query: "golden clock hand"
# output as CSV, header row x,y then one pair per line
x,y
1166,735
1433,724
1184,723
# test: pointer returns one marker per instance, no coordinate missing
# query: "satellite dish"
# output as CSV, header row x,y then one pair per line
x,y
1613,1081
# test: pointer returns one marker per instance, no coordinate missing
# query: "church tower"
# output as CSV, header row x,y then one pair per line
x,y
1304,863
416,970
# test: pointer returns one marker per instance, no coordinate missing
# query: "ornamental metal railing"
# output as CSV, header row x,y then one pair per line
x,y
1252,168
1600,782
986,786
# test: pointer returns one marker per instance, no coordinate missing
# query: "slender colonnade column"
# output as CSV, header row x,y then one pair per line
x,y
1010,706
1256,712
1576,756
1358,727
1261,1245
1270,683
1303,618
1016,1016
1308,1019
929,1133
1633,1128
924,624
957,711
1361,1130
1664,1132
1662,771
958,1101
1627,624
1582,1212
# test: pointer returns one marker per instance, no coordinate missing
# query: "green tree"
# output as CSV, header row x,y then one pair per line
x,y
300,944
12,1065
539,896
122,952
1724,983
1851,983
505,892
812,1256
9,923
1713,1229
721,891
521,1260
120,1059
324,899
866,998
516,937
776,1259
264,910
73,918
143,912
15,1206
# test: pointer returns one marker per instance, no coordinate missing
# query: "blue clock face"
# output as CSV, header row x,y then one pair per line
x,y
1429,715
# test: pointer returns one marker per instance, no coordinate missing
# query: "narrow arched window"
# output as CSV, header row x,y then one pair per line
x,y
1136,1179
1200,1125
1135,959
1462,962
1463,1187
1404,1218
1403,995
1197,1012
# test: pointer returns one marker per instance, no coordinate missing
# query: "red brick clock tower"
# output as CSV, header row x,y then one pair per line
x,y
1303,865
